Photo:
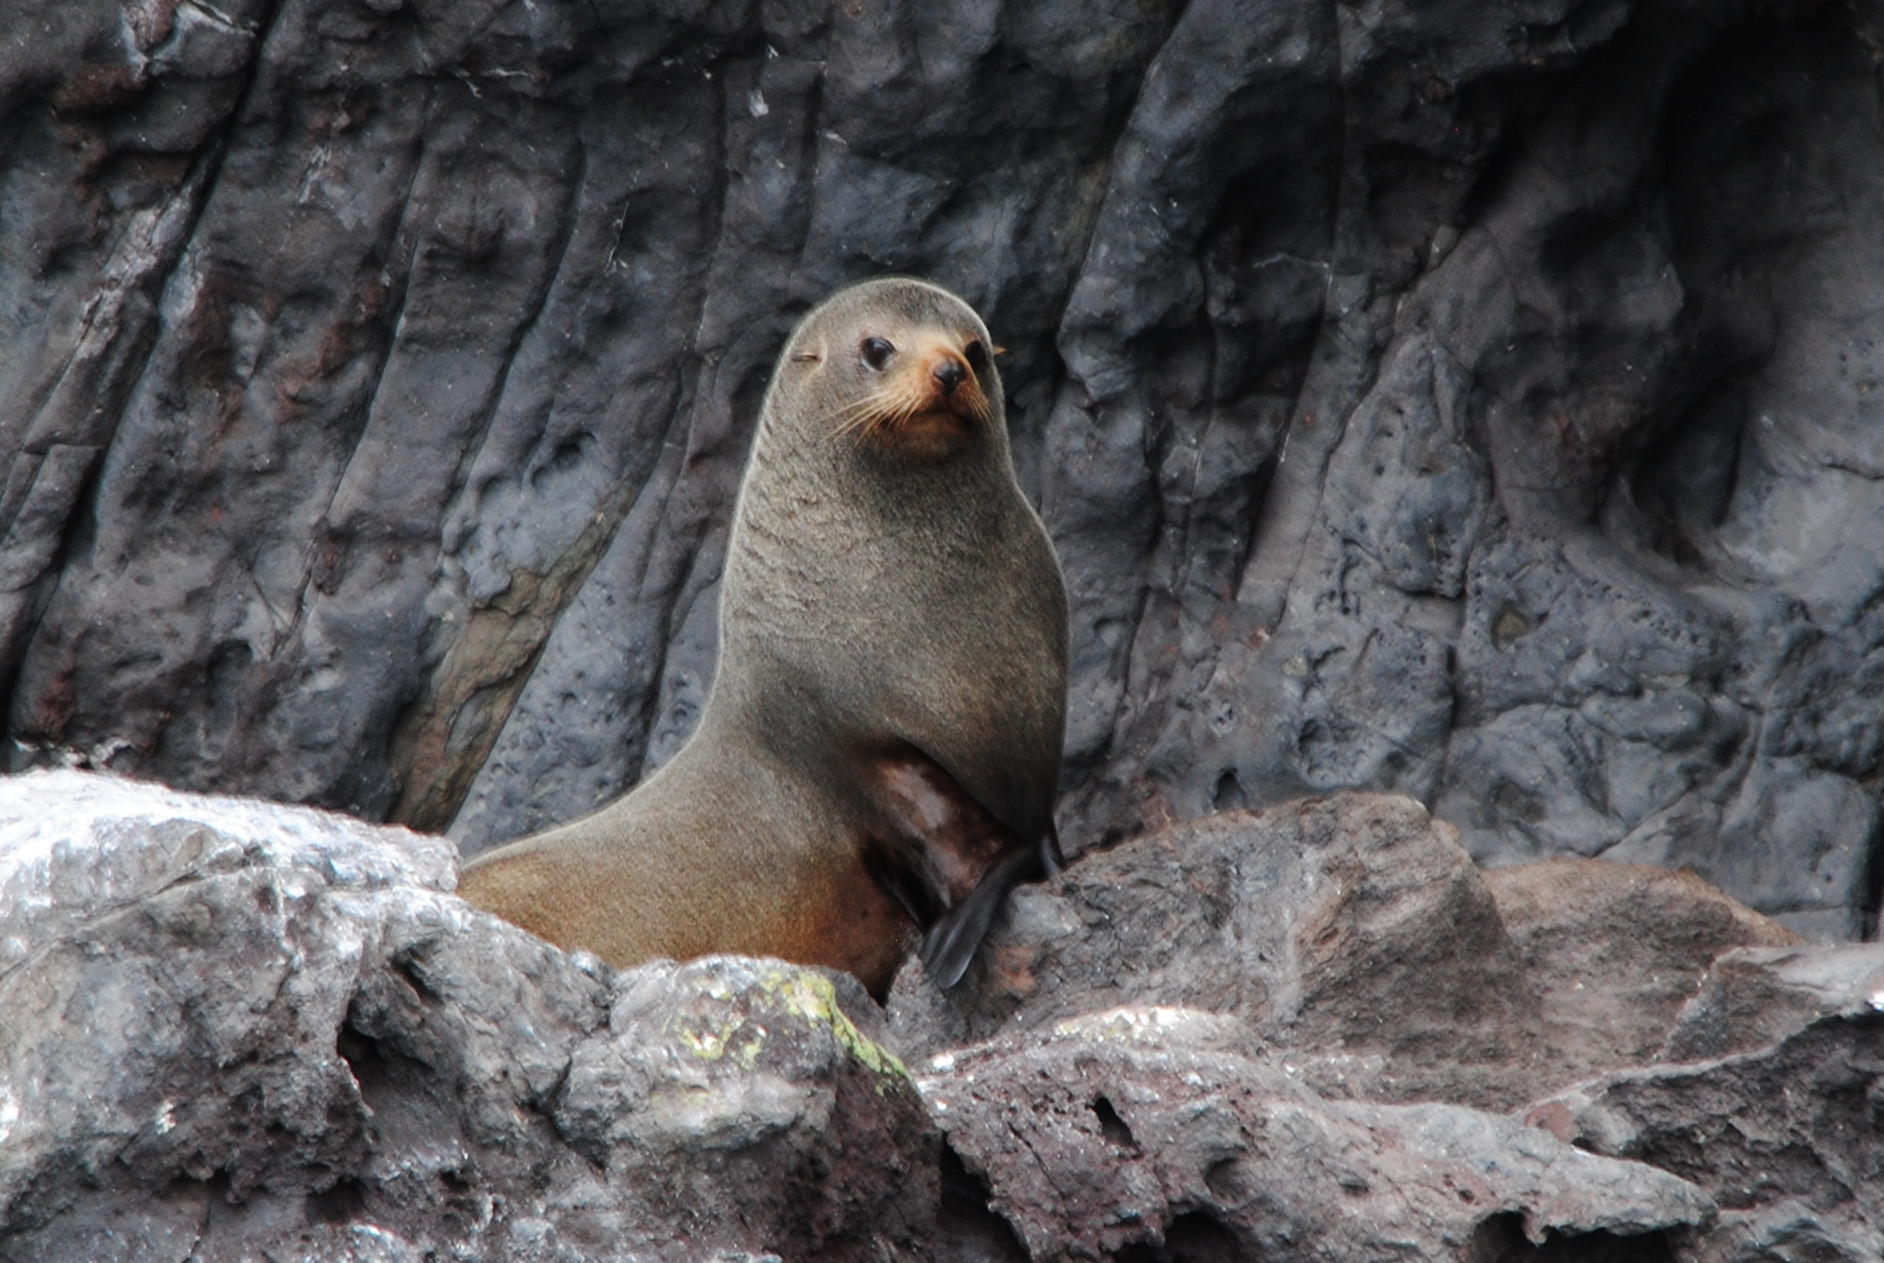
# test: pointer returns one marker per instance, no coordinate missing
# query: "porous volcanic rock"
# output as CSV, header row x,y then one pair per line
x,y
1619,952
1166,1130
1786,1129
1355,932
234,1030
1754,996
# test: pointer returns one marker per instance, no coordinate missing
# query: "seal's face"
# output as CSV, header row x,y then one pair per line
x,y
899,366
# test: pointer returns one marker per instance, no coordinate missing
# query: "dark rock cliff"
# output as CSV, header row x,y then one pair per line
x,y
1475,401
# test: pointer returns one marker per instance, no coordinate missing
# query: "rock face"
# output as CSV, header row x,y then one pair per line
x,y
1356,933
1312,921
232,1030
1775,1109
1162,1137
1473,402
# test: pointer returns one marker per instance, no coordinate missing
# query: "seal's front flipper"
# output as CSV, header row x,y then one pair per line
x,y
1052,858
947,860
950,943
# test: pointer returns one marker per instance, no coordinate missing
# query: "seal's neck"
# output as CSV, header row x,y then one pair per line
x,y
845,565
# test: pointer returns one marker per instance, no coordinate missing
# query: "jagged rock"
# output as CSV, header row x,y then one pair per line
x,y
1356,931
1354,925
1616,951
235,1030
1751,998
1474,402
1788,1136
1168,1130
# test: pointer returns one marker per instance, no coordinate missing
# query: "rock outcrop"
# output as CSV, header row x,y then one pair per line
x,y
234,1030
1775,1105
1356,933
1475,402
230,1029
1140,1130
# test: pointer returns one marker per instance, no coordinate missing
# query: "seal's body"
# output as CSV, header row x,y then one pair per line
x,y
879,754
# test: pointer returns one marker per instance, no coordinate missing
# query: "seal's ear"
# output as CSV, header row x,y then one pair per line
x,y
806,357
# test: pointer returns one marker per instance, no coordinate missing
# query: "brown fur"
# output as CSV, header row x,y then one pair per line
x,y
880,751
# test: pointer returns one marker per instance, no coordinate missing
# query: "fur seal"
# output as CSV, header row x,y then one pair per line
x,y
877,760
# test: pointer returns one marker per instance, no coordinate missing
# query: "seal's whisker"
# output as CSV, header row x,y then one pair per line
x,y
867,402
856,406
858,413
891,405
884,409
908,403
865,420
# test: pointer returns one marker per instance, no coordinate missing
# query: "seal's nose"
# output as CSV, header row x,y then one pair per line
x,y
950,373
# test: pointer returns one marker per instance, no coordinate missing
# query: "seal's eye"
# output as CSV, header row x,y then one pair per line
x,y
876,352
977,356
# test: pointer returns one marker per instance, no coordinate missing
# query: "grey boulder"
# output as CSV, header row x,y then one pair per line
x,y
1170,1131
235,1030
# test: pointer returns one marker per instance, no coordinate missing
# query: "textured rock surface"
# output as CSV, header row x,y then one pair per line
x,y
1355,933
234,1031
1788,1135
1754,996
1618,952
1152,1127
1472,401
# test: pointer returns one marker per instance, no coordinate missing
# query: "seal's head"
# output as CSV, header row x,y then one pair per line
x,y
900,366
